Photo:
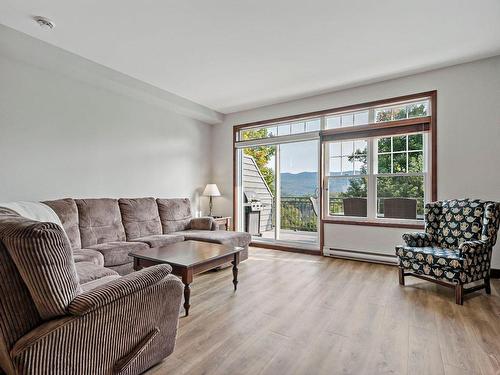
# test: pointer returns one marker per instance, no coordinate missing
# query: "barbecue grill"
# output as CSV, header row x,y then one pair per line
x,y
253,207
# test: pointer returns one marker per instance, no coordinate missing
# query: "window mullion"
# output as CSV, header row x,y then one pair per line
x,y
371,196
325,182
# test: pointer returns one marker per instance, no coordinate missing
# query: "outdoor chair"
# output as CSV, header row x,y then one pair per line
x,y
354,207
400,208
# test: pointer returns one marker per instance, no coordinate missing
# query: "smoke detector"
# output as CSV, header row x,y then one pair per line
x,y
44,23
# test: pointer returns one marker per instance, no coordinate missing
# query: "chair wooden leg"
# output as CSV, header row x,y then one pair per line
x,y
401,276
459,294
487,285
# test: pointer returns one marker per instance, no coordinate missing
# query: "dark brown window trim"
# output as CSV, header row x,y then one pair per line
x,y
432,95
290,249
422,95
373,224
406,126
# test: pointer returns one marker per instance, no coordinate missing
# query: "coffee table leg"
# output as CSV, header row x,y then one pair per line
x,y
187,294
187,278
235,270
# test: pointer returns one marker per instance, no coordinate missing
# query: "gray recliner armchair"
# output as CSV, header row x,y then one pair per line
x,y
52,324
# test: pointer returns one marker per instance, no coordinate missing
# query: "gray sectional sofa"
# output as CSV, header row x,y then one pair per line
x,y
104,230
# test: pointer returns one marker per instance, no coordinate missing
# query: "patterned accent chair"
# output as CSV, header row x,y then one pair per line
x,y
455,248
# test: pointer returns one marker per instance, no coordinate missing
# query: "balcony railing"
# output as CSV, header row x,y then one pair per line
x,y
337,206
297,213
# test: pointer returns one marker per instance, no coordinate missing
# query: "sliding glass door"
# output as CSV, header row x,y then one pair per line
x,y
278,200
297,197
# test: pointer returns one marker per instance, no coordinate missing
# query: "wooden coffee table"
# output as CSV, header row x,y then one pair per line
x,y
189,258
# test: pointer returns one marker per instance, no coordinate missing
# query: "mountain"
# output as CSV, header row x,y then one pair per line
x,y
306,183
299,184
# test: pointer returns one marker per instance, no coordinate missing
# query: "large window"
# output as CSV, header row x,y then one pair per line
x,y
376,166
377,163
392,170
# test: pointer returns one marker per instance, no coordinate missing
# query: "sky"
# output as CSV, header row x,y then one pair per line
x,y
298,157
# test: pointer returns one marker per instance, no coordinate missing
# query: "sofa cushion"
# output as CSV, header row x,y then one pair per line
x,y
87,272
68,214
88,255
204,223
160,239
140,217
98,282
44,259
240,239
100,221
116,253
123,269
175,214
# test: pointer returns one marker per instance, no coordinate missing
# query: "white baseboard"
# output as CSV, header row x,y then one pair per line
x,y
360,255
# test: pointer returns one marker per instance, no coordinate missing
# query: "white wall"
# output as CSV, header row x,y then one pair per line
x,y
63,137
468,127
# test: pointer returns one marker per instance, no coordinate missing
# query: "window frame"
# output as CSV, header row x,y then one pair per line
x,y
371,176
375,130
432,152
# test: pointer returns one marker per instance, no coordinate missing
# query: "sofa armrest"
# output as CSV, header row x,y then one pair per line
x,y
468,249
116,289
417,239
204,223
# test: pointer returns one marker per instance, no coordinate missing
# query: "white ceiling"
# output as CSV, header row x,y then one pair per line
x,y
232,55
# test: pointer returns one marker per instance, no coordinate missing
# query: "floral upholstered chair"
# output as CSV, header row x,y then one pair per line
x,y
455,248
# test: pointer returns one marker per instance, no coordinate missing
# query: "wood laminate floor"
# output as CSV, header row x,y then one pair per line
x,y
304,314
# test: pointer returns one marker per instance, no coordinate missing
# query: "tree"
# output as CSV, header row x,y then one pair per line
x,y
261,154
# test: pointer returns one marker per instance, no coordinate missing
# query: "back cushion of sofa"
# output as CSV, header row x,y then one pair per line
x,y
44,259
68,213
140,217
100,221
175,214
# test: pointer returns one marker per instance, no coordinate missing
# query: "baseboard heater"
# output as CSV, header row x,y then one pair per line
x,y
360,255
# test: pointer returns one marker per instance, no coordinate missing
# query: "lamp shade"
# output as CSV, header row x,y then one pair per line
x,y
211,190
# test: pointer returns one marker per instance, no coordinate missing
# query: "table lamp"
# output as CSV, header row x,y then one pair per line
x,y
211,190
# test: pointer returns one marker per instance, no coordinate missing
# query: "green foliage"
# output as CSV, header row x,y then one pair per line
x,y
387,187
415,142
398,113
262,155
416,110
357,185
357,188
292,218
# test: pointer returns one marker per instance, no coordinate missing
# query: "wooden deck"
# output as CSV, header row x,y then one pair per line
x,y
304,314
294,236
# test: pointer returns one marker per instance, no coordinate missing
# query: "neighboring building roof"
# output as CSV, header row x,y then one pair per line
x,y
253,177
253,180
